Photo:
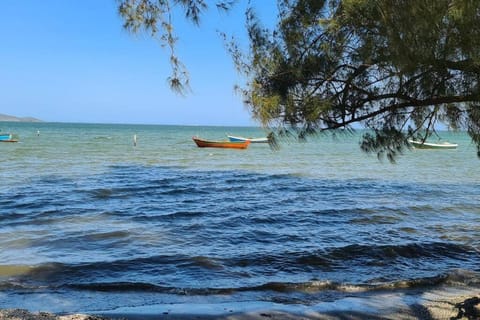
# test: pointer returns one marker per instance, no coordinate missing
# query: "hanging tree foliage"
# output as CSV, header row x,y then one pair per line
x,y
156,17
397,68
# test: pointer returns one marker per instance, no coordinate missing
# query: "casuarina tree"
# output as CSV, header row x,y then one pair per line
x,y
400,69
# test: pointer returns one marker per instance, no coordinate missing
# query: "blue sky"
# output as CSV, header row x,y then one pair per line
x,y
71,61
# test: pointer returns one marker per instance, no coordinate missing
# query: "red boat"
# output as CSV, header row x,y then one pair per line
x,y
201,143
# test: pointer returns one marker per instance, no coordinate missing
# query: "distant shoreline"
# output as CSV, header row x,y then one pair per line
x,y
125,124
9,118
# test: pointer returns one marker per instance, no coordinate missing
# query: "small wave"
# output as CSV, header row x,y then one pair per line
x,y
19,286
121,287
411,250
102,193
52,276
14,270
463,277
149,216
107,235
457,278
358,254
314,286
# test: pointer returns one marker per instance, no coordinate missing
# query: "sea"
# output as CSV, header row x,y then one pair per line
x,y
91,221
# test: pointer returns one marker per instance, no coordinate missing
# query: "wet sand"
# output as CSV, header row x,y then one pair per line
x,y
431,305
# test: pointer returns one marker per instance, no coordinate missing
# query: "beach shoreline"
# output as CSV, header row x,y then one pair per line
x,y
445,303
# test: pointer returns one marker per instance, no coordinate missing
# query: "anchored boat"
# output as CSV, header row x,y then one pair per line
x,y
252,140
430,145
7,137
202,143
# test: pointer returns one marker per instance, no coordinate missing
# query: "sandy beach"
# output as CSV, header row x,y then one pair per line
x,y
445,303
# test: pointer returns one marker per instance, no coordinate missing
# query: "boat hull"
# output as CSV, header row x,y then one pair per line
x,y
429,145
5,136
252,140
202,143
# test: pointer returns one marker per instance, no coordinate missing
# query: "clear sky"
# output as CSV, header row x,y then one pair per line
x,y
71,61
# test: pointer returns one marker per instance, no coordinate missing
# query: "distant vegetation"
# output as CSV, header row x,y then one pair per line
x,y
6,117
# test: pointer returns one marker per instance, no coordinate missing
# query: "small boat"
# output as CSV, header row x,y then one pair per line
x,y
430,145
252,140
202,143
7,137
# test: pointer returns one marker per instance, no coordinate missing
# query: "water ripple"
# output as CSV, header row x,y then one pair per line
x,y
147,226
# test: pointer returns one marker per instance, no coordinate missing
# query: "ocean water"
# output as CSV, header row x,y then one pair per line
x,y
90,222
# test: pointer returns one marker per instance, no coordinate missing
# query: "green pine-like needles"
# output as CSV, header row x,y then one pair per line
x,y
399,68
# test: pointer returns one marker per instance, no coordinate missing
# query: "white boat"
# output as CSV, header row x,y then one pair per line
x,y
430,145
252,140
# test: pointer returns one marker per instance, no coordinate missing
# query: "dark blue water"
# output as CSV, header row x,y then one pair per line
x,y
148,233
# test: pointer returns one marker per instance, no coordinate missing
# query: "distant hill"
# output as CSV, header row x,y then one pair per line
x,y
6,117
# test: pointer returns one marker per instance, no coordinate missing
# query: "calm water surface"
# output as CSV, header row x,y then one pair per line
x,y
91,222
